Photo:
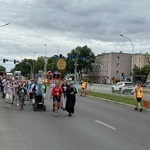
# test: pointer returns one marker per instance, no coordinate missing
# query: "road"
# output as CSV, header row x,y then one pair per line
x,y
107,89
96,125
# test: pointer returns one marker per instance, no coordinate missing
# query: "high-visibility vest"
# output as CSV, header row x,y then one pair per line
x,y
83,86
139,92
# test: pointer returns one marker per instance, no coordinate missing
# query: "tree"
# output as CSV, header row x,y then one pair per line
x,y
140,74
83,56
2,68
23,67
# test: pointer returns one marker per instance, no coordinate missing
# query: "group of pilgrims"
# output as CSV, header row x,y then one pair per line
x,y
17,91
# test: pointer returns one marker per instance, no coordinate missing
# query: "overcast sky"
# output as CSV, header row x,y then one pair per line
x,y
65,24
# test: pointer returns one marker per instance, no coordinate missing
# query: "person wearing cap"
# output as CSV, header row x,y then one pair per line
x,y
57,93
138,94
71,98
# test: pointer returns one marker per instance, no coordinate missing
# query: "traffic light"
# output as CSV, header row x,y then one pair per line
x,y
4,60
122,75
14,61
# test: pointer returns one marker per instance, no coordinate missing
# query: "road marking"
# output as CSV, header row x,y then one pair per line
x,y
106,125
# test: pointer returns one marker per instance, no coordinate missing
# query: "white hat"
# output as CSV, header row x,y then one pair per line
x,y
52,85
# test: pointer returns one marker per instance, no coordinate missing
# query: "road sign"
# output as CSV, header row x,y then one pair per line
x,y
61,64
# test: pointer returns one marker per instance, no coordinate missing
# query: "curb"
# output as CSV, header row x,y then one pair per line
x,y
119,103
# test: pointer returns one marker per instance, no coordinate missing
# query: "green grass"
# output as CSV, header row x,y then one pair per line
x,y
115,98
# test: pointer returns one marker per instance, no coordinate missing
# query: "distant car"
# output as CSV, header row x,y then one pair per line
x,y
123,87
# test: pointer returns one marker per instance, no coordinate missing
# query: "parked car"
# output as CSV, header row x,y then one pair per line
x,y
123,87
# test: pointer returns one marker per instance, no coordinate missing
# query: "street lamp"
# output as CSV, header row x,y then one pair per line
x,y
75,72
45,61
30,67
5,25
33,64
100,71
132,65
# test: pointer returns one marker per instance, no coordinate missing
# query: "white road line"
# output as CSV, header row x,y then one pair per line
x,y
106,125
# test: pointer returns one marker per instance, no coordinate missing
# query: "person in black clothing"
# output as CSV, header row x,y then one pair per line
x,y
3,82
71,98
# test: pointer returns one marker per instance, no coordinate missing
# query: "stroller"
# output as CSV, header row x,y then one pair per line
x,y
39,103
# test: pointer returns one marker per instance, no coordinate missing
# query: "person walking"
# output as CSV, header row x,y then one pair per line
x,y
9,92
138,94
31,90
3,82
83,87
44,87
51,96
64,96
57,93
71,98
21,95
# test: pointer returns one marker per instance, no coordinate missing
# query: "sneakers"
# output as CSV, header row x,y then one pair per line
x,y
135,108
141,109
56,115
70,114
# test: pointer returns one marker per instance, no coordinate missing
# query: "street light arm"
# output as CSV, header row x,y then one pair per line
x,y
129,41
45,61
132,64
5,25
30,66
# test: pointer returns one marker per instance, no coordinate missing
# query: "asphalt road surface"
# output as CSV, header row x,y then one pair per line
x,y
96,125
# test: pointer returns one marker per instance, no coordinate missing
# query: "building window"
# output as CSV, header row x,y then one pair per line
x,y
117,72
117,58
118,64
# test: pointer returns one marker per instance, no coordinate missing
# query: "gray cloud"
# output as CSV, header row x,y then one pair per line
x,y
63,25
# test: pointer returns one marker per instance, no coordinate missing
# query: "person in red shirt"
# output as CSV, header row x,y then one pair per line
x,y
57,93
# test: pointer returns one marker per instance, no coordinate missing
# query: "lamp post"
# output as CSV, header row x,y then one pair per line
x,y
45,61
132,65
4,25
75,72
33,64
100,72
30,67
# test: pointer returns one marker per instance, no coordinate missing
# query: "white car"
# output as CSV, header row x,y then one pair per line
x,y
123,87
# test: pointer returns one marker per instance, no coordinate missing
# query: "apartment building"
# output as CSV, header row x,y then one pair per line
x,y
140,60
110,67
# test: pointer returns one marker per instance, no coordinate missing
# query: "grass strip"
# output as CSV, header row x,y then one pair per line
x,y
115,98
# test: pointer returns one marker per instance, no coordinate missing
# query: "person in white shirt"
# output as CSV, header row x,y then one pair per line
x,y
9,92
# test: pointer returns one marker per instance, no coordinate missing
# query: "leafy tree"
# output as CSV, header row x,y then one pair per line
x,y
140,74
39,64
2,68
24,67
83,56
